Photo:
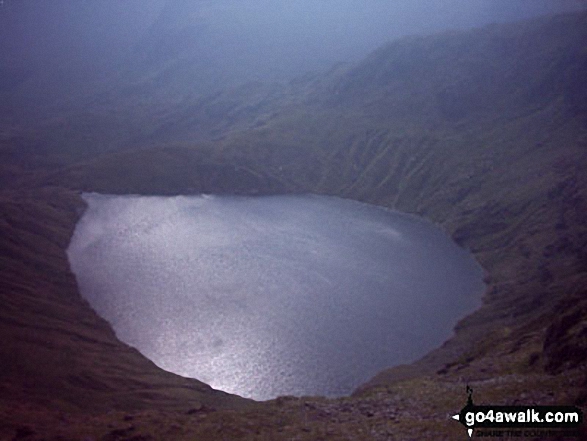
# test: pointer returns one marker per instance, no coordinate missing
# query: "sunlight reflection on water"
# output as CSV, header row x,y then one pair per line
x,y
269,296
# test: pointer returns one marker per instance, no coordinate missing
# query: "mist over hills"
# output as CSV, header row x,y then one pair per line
x,y
61,52
482,131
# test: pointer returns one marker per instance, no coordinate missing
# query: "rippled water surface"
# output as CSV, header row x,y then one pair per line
x,y
268,296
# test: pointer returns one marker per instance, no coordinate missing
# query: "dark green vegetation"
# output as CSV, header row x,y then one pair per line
x,y
483,132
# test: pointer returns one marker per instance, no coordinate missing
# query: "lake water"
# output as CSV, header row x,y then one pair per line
x,y
269,296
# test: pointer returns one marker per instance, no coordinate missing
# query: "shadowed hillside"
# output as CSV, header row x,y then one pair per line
x,y
483,132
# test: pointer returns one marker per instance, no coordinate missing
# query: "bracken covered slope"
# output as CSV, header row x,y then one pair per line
x,y
483,132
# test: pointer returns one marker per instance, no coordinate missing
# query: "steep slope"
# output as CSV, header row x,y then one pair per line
x,y
53,343
483,132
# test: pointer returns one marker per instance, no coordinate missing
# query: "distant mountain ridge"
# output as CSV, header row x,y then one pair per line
x,y
494,70
61,51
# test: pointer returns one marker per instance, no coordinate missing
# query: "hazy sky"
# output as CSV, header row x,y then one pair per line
x,y
46,27
226,39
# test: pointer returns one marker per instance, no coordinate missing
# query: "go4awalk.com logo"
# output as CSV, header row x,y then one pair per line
x,y
519,421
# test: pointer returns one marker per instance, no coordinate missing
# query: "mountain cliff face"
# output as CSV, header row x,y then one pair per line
x,y
483,132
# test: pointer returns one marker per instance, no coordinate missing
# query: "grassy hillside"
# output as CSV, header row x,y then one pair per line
x,y
484,132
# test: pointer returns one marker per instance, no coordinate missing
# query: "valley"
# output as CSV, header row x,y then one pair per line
x,y
483,132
